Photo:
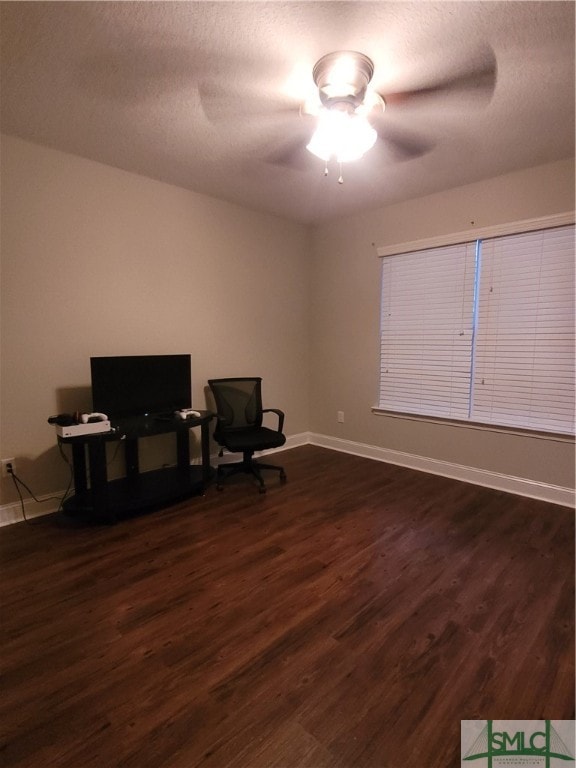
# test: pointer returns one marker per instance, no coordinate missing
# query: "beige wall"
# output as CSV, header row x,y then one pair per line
x,y
96,261
346,315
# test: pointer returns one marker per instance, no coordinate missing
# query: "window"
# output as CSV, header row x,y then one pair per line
x,y
482,331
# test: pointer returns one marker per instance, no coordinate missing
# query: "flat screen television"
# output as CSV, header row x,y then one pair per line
x,y
136,385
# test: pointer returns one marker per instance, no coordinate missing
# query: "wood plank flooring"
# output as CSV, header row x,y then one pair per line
x,y
350,618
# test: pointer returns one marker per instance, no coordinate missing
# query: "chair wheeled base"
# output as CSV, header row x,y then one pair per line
x,y
248,466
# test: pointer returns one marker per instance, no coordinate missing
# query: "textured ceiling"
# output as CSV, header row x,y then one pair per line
x,y
206,95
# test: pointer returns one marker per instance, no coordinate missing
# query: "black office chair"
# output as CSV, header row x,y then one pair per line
x,y
239,427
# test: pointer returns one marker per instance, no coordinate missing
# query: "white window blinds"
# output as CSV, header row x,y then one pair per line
x,y
426,332
482,331
524,361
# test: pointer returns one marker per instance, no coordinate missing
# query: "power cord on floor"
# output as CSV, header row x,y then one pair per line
x,y
61,499
19,482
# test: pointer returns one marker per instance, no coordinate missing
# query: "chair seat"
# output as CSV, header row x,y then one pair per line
x,y
259,439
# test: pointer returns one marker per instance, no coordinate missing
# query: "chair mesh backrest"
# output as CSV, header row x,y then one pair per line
x,y
238,402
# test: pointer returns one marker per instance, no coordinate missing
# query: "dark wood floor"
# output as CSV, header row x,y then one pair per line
x,y
349,618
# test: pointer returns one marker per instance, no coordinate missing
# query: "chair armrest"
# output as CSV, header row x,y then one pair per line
x,y
278,413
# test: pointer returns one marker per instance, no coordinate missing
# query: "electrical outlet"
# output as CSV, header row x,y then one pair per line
x,y
5,463
340,417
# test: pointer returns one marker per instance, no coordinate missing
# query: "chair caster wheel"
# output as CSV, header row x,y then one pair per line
x,y
282,477
262,489
219,487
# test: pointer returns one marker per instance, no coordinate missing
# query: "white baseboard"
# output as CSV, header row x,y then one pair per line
x,y
12,513
518,485
48,504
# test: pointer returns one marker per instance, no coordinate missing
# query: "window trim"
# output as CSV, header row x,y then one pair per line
x,y
558,437
480,233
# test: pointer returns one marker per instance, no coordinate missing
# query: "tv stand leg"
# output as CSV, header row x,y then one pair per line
x,y
98,478
79,468
131,457
205,447
183,449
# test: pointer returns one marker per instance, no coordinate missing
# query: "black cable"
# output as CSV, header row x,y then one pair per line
x,y
15,481
61,499
71,477
19,482
114,455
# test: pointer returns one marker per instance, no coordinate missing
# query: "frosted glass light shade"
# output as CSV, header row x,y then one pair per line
x,y
342,136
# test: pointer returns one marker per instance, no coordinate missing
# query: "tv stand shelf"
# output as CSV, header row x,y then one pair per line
x,y
100,498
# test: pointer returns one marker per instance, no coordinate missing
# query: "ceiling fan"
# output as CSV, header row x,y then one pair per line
x,y
344,132
350,114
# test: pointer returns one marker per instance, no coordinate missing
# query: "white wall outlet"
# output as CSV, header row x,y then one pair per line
x,y
5,463
340,417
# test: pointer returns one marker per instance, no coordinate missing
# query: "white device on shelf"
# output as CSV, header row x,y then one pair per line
x,y
186,413
75,430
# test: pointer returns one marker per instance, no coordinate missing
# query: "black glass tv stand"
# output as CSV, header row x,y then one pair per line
x,y
98,498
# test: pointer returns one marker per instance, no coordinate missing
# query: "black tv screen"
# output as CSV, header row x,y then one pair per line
x,y
136,385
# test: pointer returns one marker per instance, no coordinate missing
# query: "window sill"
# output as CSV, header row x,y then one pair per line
x,y
517,432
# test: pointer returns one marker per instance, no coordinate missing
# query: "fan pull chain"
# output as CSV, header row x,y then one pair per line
x,y
340,178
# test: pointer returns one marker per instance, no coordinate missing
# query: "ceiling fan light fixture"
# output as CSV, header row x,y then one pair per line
x,y
343,133
343,75
342,136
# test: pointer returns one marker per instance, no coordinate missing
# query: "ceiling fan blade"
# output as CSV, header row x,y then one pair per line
x,y
405,146
400,144
292,154
222,104
477,79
